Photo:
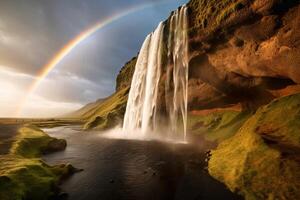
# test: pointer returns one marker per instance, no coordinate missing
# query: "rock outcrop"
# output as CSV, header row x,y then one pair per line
x,y
261,161
245,49
125,75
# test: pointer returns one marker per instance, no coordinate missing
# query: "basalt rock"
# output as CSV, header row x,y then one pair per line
x,y
245,49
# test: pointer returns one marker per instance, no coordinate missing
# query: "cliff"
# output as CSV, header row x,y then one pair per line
x,y
245,54
244,49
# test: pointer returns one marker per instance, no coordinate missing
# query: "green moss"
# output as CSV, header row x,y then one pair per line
x,y
31,142
208,14
110,112
260,162
219,125
281,120
23,178
125,75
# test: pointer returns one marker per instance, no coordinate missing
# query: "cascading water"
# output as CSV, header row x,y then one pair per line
x,y
176,84
141,109
141,105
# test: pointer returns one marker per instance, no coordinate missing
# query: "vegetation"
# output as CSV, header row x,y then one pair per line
x,y
209,14
261,161
125,75
110,112
81,114
25,176
51,123
219,125
31,142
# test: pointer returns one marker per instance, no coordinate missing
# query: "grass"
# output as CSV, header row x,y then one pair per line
x,y
110,112
23,178
51,123
31,142
211,13
217,126
261,160
125,75
23,175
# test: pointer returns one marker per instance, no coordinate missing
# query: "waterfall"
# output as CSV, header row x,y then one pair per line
x,y
176,84
141,110
141,104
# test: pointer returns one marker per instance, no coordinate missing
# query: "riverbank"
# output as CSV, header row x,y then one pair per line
x,y
23,175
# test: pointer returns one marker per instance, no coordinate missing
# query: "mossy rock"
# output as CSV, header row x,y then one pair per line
x,y
29,179
208,15
218,125
31,142
24,176
261,161
125,75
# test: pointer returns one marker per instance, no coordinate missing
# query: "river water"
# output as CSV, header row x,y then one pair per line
x,y
117,169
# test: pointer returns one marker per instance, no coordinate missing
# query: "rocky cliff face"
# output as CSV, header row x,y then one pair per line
x,y
245,49
125,75
244,54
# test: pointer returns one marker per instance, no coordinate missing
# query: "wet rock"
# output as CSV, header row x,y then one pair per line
x,y
56,145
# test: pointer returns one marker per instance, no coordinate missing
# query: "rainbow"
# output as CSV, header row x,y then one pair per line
x,y
73,44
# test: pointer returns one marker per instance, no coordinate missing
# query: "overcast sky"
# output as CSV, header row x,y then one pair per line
x,y
32,31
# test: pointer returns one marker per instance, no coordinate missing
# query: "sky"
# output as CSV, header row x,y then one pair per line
x,y
33,31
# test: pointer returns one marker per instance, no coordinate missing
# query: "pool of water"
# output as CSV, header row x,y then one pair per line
x,y
134,169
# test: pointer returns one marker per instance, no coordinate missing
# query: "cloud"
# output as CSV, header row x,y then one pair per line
x,y
68,87
13,87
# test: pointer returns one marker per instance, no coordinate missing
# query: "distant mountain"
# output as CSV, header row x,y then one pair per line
x,y
85,110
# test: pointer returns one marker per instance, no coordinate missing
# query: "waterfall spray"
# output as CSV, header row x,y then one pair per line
x,y
141,109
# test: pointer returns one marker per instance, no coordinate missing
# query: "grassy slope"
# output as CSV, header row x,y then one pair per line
x,y
261,161
31,142
85,109
109,113
217,126
23,175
